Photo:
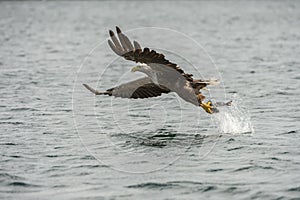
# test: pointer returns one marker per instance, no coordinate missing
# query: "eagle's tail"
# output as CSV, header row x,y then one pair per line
x,y
201,84
210,81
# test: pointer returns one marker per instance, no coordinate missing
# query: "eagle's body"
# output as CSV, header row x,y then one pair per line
x,y
163,76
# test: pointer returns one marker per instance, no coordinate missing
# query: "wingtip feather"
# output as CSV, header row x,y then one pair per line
x,y
113,47
111,33
118,29
137,45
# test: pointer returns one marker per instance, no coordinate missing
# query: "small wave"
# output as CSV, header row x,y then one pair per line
x,y
257,58
23,109
274,158
154,143
52,156
233,119
90,166
244,168
209,188
15,156
22,184
235,148
152,185
294,189
21,55
8,144
13,123
236,190
215,170
231,189
9,176
230,140
289,132
252,167
174,185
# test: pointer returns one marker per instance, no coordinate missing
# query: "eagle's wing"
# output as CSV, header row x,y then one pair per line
x,y
122,46
139,88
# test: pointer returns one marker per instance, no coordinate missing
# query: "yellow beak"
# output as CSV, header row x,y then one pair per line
x,y
134,69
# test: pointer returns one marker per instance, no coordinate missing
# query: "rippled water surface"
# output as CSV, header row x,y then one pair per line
x,y
58,141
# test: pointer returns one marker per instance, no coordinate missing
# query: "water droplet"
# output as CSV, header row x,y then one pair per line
x,y
234,119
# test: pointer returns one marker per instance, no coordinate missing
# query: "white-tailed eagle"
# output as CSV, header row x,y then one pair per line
x,y
162,76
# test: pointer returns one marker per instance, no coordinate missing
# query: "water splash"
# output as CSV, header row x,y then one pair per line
x,y
234,119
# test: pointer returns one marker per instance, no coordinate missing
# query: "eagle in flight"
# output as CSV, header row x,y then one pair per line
x,y
162,76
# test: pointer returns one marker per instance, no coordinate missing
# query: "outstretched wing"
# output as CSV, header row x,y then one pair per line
x,y
140,88
122,46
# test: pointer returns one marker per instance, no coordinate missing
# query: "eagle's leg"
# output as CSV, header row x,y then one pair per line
x,y
208,106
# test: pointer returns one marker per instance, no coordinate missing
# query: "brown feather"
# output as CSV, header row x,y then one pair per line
x,y
149,90
135,53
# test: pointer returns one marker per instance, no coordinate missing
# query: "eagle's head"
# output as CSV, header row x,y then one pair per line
x,y
144,68
141,68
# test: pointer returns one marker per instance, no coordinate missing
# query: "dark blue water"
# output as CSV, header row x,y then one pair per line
x,y
60,142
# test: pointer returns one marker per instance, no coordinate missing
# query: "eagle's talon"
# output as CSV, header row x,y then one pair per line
x,y
208,107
